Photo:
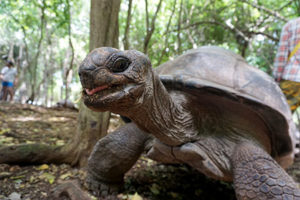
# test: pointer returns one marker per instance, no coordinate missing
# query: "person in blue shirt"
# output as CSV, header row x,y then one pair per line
x,y
8,76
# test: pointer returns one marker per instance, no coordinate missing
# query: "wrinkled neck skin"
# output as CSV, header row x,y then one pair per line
x,y
163,115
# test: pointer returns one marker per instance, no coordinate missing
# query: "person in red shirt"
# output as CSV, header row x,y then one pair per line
x,y
287,63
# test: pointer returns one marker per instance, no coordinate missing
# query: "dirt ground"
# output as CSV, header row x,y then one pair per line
x,y
146,180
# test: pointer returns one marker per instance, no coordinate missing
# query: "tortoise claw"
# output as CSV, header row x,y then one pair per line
x,y
100,188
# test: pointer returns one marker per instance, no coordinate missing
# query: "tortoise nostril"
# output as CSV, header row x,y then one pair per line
x,y
85,70
89,67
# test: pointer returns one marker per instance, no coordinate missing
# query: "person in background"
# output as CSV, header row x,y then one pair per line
x,y
8,75
287,63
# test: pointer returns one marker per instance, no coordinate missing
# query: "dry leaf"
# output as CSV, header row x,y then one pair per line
x,y
49,177
43,167
136,196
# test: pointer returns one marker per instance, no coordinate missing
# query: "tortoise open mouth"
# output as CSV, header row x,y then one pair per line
x,y
108,97
97,89
102,90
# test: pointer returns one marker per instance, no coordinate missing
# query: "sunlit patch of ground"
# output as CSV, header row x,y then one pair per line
x,y
29,124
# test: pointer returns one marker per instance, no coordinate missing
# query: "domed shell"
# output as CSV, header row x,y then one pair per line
x,y
225,73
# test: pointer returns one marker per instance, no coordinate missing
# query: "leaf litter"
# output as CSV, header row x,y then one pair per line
x,y
147,180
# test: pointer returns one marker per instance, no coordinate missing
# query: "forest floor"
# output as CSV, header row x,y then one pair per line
x,y
147,180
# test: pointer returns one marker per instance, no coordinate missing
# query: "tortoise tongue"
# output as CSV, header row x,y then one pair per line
x,y
97,89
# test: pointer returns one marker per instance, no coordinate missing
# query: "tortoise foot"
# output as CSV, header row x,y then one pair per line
x,y
103,189
257,176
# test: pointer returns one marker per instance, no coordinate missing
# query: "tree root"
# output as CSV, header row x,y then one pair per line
x,y
30,154
69,189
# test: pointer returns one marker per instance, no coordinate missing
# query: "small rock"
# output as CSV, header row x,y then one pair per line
x,y
14,196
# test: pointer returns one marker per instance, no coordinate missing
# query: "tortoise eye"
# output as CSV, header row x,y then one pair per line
x,y
120,64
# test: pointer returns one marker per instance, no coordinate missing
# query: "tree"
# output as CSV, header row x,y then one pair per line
x,y
104,31
69,69
150,28
91,125
104,26
128,20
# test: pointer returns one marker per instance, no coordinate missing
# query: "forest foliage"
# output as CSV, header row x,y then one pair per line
x,y
47,39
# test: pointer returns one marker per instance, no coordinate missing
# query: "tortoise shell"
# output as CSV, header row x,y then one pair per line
x,y
222,73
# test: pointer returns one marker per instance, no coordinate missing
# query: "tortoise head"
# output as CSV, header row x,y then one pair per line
x,y
114,80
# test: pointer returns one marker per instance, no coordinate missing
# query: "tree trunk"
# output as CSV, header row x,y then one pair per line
x,y
33,69
69,70
104,23
46,81
104,31
11,52
91,125
128,20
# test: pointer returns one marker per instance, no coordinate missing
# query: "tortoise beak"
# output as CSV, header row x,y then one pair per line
x,y
86,75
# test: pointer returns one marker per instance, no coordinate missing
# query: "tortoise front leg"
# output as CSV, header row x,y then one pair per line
x,y
257,176
112,157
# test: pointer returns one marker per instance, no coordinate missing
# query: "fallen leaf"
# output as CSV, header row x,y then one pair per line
x,y
136,196
49,177
43,167
31,179
6,130
44,194
36,130
17,177
5,175
174,195
6,139
154,189
18,181
64,176
59,142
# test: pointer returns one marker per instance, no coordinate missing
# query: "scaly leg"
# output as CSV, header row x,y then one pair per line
x,y
112,157
257,176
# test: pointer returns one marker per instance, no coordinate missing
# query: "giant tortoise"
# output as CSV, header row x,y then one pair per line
x,y
207,108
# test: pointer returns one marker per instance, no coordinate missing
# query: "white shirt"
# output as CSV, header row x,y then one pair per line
x,y
9,74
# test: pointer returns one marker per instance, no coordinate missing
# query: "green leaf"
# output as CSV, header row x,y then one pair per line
x,y
154,189
43,167
48,177
6,130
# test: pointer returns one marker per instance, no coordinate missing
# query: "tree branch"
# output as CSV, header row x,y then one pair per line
x,y
147,15
126,34
226,26
285,5
179,27
271,12
151,29
264,34
166,38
